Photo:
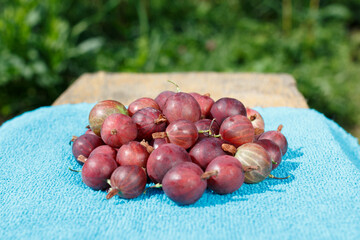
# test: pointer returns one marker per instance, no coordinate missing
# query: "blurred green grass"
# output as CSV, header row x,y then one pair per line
x,y
46,45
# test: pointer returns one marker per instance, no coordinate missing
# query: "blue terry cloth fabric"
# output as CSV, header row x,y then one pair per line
x,y
41,199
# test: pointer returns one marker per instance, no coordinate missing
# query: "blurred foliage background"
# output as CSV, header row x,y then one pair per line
x,y
46,45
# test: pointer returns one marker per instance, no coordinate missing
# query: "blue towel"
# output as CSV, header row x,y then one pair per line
x,y
40,198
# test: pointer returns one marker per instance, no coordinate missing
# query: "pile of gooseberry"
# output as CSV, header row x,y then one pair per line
x,y
181,142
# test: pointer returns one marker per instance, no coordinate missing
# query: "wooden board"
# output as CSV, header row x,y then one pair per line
x,y
253,89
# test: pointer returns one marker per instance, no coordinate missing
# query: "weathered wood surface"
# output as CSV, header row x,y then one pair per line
x,y
253,89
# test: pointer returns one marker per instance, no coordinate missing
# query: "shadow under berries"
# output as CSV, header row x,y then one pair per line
x,y
287,168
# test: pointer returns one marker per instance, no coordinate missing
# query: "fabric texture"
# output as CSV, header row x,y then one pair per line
x,y
40,198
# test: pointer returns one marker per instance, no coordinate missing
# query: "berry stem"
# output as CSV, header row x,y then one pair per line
x,y
158,185
145,144
280,127
274,162
203,131
258,131
81,158
209,174
206,95
229,148
112,193
73,139
160,119
177,86
74,170
212,122
272,176
252,117
159,135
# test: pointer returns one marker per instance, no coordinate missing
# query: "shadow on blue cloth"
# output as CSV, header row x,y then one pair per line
x,y
286,168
